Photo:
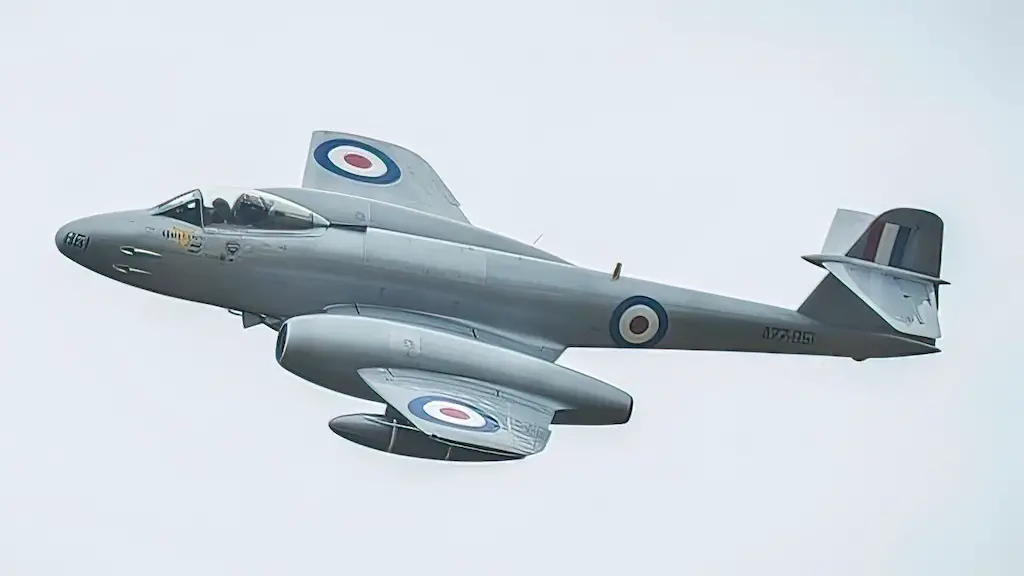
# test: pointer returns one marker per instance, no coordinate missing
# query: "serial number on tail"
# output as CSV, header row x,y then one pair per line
x,y
801,337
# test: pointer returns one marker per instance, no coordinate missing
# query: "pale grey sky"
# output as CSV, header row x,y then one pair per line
x,y
703,145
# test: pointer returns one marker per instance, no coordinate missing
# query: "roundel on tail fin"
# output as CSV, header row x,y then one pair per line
x,y
357,161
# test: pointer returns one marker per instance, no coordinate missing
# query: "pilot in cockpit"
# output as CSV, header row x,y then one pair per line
x,y
249,210
220,213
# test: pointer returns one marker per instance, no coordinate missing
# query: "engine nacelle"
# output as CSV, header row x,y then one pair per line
x,y
328,349
392,436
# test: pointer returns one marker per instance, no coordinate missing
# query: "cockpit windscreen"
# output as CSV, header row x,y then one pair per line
x,y
232,208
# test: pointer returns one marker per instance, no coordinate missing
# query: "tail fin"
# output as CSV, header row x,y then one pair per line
x,y
883,273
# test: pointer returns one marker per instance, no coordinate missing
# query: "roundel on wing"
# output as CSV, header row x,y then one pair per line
x,y
454,413
357,161
638,321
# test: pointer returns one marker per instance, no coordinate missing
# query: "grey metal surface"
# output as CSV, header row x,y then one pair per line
x,y
381,289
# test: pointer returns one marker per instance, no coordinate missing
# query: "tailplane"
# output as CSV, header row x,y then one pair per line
x,y
883,273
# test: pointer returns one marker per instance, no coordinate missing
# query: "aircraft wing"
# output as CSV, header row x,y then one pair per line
x,y
465,412
360,166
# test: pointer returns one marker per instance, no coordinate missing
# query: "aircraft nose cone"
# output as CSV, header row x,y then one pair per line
x,y
70,240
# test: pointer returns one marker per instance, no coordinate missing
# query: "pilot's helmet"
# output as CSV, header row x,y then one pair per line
x,y
251,209
254,201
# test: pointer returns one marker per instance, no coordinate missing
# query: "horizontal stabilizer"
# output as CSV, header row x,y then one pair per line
x,y
908,305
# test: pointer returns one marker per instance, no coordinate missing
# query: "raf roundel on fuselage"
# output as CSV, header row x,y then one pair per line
x,y
639,321
357,161
448,412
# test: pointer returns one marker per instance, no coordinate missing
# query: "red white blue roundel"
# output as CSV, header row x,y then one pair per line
x,y
638,321
357,161
454,413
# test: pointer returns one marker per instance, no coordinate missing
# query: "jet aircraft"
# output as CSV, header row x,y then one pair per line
x,y
380,288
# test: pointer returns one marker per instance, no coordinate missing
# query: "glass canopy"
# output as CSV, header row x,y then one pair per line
x,y
239,208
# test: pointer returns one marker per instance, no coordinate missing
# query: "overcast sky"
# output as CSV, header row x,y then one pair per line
x,y
705,146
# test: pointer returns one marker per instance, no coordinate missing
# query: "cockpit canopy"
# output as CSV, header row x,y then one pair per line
x,y
239,208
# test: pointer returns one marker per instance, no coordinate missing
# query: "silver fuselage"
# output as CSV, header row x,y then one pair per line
x,y
289,274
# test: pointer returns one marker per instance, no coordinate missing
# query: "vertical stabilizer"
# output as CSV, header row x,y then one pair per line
x,y
903,238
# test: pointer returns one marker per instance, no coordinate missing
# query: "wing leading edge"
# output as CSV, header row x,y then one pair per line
x,y
464,412
370,168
